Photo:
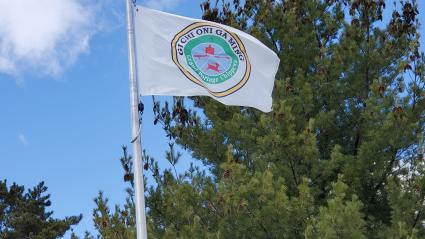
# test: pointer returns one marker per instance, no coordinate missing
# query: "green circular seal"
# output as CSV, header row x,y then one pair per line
x,y
211,57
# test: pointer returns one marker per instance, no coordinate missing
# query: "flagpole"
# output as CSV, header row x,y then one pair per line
x,y
135,129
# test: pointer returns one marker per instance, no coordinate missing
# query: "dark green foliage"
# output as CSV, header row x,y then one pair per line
x,y
340,156
23,214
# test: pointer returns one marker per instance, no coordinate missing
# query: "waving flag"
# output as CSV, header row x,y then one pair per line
x,y
180,56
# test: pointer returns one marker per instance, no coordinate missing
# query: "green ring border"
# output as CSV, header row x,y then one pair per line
x,y
218,76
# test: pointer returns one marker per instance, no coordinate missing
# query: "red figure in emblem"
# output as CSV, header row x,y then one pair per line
x,y
214,67
210,50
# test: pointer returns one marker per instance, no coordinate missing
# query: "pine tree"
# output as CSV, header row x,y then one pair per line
x,y
23,214
339,219
340,156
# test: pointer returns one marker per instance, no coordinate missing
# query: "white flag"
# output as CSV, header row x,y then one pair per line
x,y
180,56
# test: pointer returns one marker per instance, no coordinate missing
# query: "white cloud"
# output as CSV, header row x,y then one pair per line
x,y
43,35
22,139
6,65
163,4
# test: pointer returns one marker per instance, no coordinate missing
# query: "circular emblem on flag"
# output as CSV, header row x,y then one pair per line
x,y
211,57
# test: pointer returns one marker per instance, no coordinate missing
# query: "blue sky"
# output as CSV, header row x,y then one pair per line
x,y
63,120
64,99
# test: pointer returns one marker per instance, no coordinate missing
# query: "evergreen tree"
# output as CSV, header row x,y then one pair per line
x,y
340,219
340,156
23,214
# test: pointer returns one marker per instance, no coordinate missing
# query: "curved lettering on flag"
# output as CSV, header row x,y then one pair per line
x,y
212,57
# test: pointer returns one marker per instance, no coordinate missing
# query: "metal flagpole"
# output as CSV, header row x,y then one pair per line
x,y
136,127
